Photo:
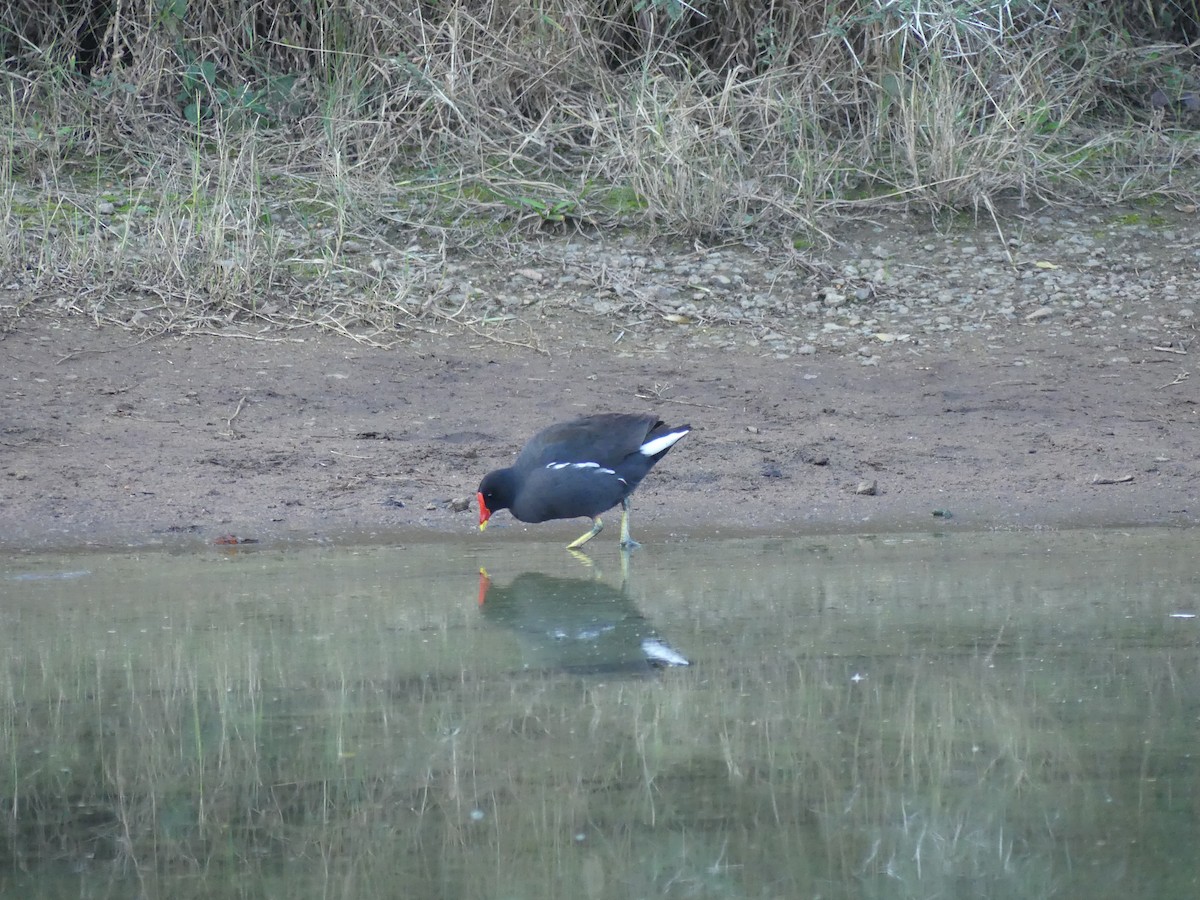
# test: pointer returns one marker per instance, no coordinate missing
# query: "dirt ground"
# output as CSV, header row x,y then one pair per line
x,y
110,439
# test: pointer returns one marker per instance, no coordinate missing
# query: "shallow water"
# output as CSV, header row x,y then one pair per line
x,y
968,715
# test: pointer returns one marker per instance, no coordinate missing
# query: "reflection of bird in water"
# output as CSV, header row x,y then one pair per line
x,y
574,624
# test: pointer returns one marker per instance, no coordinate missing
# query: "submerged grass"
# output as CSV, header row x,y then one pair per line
x,y
348,722
172,167
515,785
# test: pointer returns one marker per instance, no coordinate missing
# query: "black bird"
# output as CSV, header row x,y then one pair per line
x,y
580,468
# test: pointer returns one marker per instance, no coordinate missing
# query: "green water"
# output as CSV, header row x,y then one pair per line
x,y
982,715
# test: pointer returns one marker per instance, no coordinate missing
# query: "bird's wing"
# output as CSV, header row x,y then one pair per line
x,y
606,439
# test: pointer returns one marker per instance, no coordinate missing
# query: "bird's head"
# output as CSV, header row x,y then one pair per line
x,y
494,493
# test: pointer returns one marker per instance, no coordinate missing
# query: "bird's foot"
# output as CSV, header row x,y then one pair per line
x,y
629,544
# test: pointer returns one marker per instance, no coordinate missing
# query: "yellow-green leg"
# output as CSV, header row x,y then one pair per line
x,y
627,543
597,527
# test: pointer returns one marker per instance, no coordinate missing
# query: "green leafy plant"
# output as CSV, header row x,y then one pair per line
x,y
201,97
546,210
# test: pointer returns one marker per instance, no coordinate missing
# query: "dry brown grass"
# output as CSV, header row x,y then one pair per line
x,y
316,165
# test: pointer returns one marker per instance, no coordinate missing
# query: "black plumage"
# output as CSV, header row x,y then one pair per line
x,y
580,468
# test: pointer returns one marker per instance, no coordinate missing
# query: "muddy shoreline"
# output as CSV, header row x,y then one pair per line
x,y
114,440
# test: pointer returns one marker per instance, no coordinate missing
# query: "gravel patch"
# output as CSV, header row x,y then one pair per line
x,y
896,285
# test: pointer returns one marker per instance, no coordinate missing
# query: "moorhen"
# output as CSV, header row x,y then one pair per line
x,y
580,468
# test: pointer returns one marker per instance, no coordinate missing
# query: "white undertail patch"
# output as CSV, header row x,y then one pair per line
x,y
662,442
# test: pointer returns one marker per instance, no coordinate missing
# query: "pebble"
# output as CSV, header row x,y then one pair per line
x,y
833,298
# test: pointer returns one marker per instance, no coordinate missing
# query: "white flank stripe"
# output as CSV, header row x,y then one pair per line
x,y
600,470
659,444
